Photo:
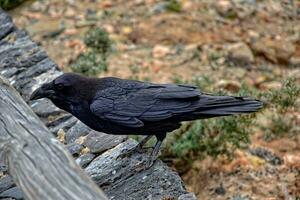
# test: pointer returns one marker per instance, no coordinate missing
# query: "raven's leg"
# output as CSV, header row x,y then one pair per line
x,y
138,148
154,153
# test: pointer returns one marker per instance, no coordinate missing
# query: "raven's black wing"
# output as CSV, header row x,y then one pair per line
x,y
144,102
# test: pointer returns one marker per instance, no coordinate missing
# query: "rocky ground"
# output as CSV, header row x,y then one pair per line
x,y
254,42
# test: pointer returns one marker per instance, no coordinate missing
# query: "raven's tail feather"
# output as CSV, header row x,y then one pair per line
x,y
214,106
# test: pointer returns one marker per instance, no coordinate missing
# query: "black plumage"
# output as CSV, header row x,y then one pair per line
x,y
118,106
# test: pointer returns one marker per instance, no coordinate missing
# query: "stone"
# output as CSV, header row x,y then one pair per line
x,y
14,193
220,190
76,131
6,182
274,50
188,196
230,85
65,123
223,7
85,159
239,197
6,25
3,167
98,142
74,148
44,108
159,7
160,51
112,172
295,61
240,54
46,28
267,155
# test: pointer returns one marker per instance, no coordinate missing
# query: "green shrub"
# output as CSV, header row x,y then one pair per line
x,y
212,137
173,6
98,40
94,60
89,63
285,97
9,4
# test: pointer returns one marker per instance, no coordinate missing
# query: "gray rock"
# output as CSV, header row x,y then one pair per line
x,y
112,173
266,155
158,8
239,197
6,182
76,131
188,196
3,167
44,108
62,123
220,190
20,52
74,148
99,142
9,72
276,51
6,25
85,159
14,193
240,54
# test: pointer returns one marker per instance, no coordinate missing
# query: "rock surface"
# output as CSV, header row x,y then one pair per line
x,y
98,142
27,66
111,173
78,130
6,182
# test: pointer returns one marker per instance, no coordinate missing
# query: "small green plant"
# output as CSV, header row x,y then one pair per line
x,y
213,137
281,121
9,4
95,59
173,6
280,126
98,40
285,97
89,64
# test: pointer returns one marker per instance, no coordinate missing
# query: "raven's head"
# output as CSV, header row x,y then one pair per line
x,y
66,89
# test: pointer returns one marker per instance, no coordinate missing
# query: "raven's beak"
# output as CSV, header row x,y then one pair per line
x,y
45,91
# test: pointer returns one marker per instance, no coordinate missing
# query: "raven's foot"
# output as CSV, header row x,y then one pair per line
x,y
154,155
150,162
138,148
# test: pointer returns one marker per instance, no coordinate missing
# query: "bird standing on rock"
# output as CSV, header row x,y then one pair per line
x,y
125,107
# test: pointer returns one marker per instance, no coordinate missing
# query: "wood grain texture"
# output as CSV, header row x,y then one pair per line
x,y
40,166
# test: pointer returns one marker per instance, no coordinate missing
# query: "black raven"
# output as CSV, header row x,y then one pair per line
x,y
123,107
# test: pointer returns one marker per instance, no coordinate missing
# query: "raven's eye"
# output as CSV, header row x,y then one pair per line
x,y
60,86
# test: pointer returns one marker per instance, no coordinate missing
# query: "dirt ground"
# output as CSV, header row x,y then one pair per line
x,y
252,41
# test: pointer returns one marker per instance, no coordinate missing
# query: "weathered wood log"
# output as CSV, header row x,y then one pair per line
x,y
38,163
